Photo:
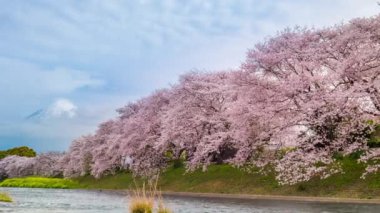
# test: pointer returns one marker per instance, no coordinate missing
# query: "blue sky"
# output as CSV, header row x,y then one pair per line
x,y
67,65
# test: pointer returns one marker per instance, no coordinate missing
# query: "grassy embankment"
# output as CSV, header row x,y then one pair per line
x,y
4,197
226,179
40,182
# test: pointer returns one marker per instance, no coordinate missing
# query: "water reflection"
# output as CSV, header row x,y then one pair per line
x,y
59,200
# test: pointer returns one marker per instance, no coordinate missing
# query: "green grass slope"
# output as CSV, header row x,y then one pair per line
x,y
226,179
40,182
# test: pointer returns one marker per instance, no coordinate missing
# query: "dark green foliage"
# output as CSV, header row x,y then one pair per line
x,y
338,156
301,188
374,140
355,155
20,151
177,163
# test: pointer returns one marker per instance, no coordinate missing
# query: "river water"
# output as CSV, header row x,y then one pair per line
x,y
80,201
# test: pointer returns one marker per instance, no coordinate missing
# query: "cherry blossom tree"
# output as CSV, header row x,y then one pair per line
x,y
48,164
77,161
16,166
196,123
141,127
325,83
105,153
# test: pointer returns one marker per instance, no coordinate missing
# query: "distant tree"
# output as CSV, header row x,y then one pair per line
x,y
49,164
77,161
16,166
46,164
20,151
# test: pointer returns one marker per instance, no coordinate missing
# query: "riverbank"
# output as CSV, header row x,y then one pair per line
x,y
40,182
225,180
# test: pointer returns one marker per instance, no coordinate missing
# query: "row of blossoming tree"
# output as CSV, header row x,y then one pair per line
x,y
299,99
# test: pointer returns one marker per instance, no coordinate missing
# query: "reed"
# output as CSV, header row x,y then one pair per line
x,y
144,198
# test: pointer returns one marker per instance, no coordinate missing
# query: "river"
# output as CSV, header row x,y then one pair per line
x,y
81,201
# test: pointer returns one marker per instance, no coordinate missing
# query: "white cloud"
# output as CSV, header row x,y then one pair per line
x,y
62,108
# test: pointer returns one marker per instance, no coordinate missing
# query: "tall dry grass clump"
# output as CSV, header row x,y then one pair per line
x,y
143,200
